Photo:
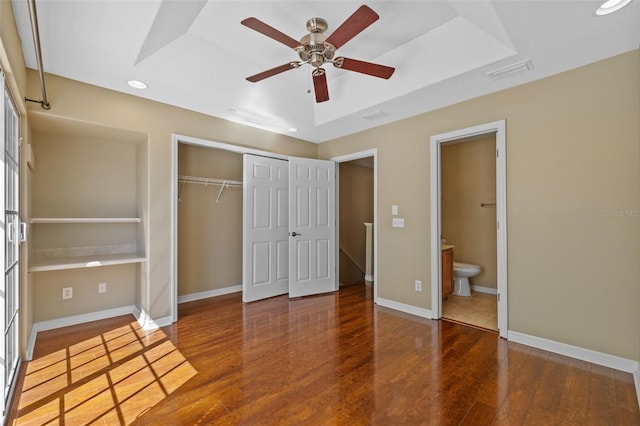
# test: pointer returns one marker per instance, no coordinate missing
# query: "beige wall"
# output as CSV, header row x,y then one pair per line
x,y
572,162
47,291
468,178
356,208
209,233
11,57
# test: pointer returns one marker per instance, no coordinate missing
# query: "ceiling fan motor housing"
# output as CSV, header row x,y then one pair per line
x,y
314,49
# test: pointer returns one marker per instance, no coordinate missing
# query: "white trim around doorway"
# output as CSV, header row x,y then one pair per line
x,y
499,128
357,156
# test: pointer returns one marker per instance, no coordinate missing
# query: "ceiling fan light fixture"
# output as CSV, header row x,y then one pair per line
x,y
611,6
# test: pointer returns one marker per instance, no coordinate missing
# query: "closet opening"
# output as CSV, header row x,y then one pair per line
x,y
209,222
212,266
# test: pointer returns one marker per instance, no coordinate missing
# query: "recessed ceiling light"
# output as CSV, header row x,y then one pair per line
x,y
292,129
611,6
137,84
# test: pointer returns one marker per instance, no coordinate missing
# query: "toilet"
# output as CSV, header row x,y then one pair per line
x,y
461,274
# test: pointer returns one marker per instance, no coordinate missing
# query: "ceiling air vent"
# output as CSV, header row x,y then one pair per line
x,y
510,70
374,115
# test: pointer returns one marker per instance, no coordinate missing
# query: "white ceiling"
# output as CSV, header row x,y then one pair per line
x,y
195,54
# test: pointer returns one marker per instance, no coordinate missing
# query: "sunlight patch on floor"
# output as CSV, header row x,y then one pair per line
x,y
112,378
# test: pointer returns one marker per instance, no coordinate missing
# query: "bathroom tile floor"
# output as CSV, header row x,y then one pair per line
x,y
479,309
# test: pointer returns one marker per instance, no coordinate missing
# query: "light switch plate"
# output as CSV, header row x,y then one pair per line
x,y
394,209
397,222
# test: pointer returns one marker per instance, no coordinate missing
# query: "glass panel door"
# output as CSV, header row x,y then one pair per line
x,y
9,287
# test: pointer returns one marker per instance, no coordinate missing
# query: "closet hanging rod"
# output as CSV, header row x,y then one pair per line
x,y
209,181
44,103
487,204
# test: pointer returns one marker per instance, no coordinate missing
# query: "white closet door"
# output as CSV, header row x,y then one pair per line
x,y
312,227
265,269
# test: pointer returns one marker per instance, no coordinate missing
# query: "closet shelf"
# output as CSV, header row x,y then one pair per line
x,y
84,220
78,262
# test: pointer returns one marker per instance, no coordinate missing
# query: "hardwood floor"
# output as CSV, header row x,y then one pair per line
x,y
325,360
479,309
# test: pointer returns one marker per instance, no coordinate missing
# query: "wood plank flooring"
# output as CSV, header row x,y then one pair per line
x,y
479,309
336,359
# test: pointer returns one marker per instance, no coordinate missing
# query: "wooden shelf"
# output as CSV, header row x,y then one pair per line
x,y
56,264
85,220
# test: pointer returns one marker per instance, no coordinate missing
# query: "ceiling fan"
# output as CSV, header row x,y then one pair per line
x,y
316,49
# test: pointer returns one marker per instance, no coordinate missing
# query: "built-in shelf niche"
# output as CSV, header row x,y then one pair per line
x,y
88,189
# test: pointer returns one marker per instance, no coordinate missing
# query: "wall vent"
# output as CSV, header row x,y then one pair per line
x,y
510,70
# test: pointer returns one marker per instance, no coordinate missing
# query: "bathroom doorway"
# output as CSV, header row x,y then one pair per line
x,y
468,229
450,153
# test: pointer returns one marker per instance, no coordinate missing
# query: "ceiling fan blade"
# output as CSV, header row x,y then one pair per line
x,y
356,23
376,70
320,85
269,31
272,72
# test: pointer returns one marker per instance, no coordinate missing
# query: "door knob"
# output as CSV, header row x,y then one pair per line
x,y
295,234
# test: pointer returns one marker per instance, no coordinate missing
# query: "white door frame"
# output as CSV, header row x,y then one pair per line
x,y
343,159
497,127
177,139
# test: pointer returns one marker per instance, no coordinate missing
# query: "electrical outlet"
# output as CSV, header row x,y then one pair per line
x,y
102,287
67,293
418,285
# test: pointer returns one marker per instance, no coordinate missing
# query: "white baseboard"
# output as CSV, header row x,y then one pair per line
x,y
209,293
611,361
73,320
368,277
487,290
409,309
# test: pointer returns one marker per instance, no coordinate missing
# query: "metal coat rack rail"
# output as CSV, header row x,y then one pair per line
x,y
222,183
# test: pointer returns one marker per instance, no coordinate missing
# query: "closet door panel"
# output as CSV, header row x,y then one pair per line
x,y
265,228
312,261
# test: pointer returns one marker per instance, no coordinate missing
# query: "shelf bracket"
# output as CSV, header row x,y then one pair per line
x,y
222,187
